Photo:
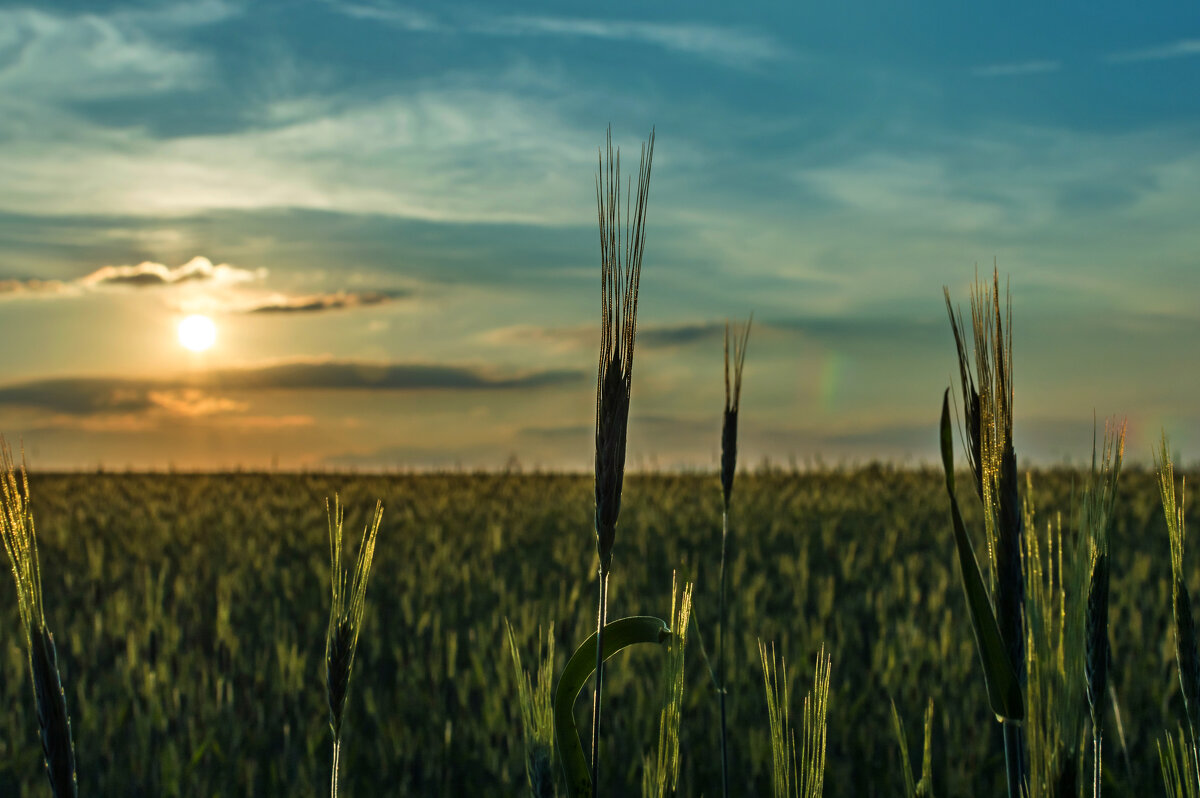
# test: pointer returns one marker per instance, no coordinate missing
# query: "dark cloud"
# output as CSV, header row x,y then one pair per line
x,y
565,432
320,302
98,395
587,335
680,334
871,329
384,376
82,396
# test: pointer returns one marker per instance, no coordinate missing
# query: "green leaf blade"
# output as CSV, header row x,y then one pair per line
x,y
618,635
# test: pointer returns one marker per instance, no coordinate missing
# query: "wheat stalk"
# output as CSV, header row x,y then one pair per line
x,y
20,544
729,433
537,713
1099,500
621,249
660,776
1186,654
348,601
799,772
988,406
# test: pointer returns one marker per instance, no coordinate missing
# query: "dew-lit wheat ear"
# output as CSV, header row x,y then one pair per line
x,y
20,544
622,242
345,619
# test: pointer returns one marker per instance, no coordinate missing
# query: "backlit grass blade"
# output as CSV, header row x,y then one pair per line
x,y
910,782
617,635
1004,691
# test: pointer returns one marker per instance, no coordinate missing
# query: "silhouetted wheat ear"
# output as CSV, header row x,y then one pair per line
x,y
1097,638
622,243
339,661
733,398
1186,650
19,536
1099,500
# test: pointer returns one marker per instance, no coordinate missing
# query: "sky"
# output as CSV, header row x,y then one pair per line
x,y
388,212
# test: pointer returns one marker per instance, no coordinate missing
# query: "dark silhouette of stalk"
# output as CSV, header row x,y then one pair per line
x,y
733,395
621,248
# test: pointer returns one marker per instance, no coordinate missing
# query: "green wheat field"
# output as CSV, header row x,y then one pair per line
x,y
190,614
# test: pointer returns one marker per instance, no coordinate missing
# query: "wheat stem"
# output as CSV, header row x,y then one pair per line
x,y
601,620
721,656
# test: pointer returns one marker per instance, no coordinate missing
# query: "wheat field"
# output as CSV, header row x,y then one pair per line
x,y
190,614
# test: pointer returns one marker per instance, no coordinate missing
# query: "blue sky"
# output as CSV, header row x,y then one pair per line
x,y
388,210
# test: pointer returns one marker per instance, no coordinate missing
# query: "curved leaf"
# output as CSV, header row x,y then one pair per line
x,y
617,635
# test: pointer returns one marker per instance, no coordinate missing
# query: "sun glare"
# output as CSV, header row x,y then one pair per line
x,y
197,333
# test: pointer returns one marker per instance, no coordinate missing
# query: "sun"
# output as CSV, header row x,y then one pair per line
x,y
197,333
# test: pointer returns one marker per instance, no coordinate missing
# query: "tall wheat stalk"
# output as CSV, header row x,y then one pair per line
x,y
20,544
1099,501
987,393
537,713
348,601
1186,653
660,775
729,433
798,771
622,243
913,787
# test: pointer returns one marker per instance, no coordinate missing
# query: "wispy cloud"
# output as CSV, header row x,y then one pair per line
x,y
399,16
1184,48
408,155
721,44
221,288
193,402
122,54
12,287
149,274
1016,68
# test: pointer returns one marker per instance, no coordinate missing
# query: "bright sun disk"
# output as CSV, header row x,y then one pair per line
x,y
197,333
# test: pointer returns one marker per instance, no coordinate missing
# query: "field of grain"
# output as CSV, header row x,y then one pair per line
x,y
190,615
